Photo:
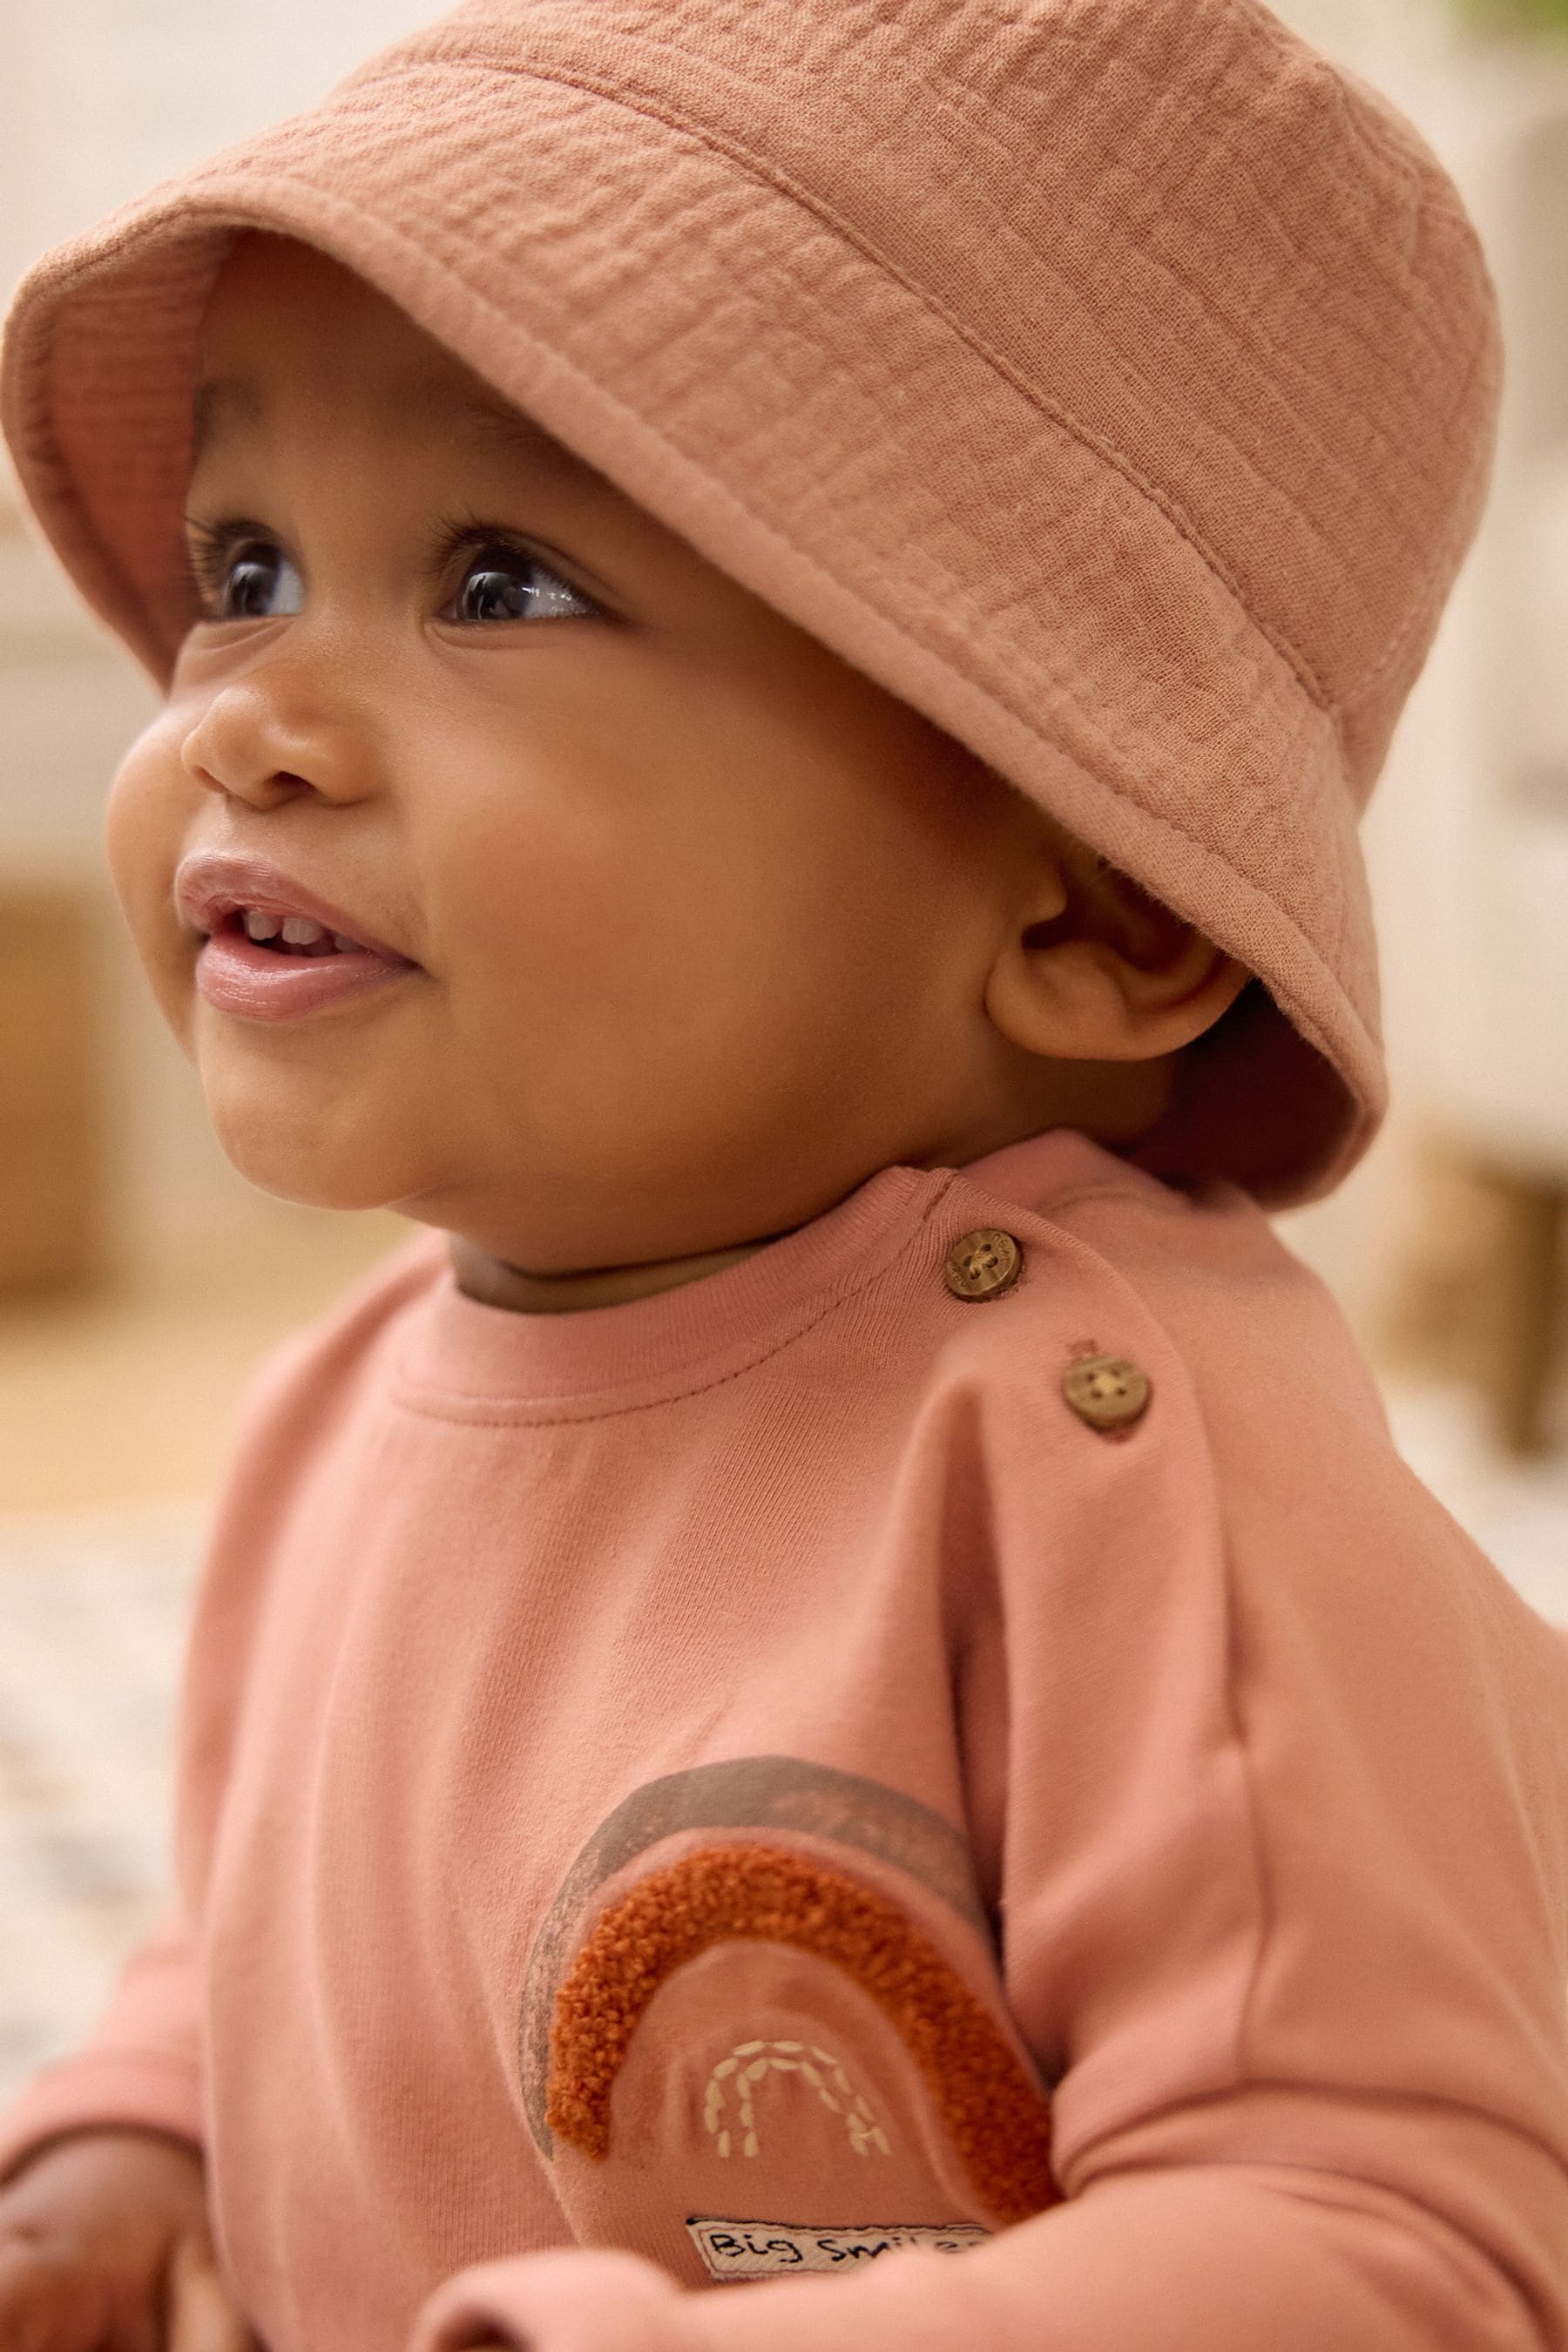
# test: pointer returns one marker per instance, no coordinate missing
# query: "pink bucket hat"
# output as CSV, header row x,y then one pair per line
x,y
1114,381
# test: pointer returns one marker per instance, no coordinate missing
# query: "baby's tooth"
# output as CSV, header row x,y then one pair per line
x,y
258,926
300,932
340,939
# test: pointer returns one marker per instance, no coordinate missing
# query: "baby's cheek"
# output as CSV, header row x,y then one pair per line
x,y
145,820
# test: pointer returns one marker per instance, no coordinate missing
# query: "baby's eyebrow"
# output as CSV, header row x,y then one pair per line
x,y
515,429
223,403
220,404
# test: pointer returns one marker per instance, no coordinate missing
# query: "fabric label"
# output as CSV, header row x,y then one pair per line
x,y
748,2250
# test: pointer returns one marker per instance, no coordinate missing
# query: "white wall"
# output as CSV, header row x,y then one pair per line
x,y
99,98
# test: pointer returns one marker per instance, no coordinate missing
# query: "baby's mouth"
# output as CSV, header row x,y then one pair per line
x,y
291,935
252,965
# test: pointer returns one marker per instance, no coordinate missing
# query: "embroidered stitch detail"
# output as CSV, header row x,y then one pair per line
x,y
996,2119
740,1799
787,2058
748,2250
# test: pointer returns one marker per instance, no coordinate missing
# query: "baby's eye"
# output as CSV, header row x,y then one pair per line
x,y
253,582
507,584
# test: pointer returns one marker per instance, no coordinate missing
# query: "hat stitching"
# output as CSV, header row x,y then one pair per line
x,y
1244,618
1363,681
971,107
1417,609
46,478
72,530
771,174
1158,816
1325,75
1441,206
968,104
1289,49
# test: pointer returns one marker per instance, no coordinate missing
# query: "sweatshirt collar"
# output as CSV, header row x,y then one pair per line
x,y
460,1351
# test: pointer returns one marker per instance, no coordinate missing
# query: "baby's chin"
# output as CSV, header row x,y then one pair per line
x,y
279,1145
308,1183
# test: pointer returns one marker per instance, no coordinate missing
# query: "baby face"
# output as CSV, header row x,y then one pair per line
x,y
685,921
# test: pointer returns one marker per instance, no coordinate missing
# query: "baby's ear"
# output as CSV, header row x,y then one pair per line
x,y
1093,968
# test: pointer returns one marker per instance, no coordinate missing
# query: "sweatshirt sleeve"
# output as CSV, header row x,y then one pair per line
x,y
139,2065
1273,1768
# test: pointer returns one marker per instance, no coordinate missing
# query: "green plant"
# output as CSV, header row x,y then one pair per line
x,y
1514,15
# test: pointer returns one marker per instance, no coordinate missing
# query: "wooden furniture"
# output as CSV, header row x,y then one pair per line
x,y
51,1171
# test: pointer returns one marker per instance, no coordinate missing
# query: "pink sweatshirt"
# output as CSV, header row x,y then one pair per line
x,y
753,1785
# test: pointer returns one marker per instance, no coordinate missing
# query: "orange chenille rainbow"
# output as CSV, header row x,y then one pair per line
x,y
997,2121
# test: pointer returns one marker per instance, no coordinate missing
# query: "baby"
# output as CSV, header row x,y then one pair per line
x,y
774,616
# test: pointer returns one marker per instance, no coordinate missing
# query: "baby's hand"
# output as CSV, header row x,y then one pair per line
x,y
105,2247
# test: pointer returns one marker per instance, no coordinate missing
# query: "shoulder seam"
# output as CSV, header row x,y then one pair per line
x,y
1241,2035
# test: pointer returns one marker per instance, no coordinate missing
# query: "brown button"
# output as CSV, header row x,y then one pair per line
x,y
1107,1392
982,1265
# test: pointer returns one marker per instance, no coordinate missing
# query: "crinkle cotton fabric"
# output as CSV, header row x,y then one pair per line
x,y
1115,381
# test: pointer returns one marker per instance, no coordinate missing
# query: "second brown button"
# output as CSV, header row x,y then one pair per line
x,y
1107,1392
982,1265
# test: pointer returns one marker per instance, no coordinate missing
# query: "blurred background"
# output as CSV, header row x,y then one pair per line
x,y
142,1279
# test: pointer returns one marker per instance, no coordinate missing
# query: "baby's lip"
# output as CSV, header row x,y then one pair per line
x,y
211,883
